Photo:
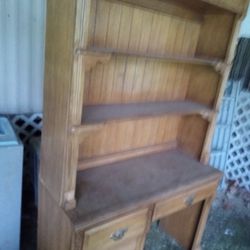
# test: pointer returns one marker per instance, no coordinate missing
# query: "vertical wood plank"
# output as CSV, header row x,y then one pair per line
x,y
81,39
202,224
57,94
113,138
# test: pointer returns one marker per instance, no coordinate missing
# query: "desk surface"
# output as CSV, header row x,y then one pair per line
x,y
118,188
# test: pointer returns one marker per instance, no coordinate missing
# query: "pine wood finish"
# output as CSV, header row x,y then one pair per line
x,y
188,218
132,90
133,227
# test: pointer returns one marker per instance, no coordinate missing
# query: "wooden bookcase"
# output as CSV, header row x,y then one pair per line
x,y
132,89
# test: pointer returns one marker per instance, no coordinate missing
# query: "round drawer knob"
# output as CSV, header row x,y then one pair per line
x,y
189,200
119,234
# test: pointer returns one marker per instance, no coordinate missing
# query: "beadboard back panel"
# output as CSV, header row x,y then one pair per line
x,y
127,135
123,27
133,79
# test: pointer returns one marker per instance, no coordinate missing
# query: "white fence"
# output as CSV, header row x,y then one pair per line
x,y
230,150
238,162
222,133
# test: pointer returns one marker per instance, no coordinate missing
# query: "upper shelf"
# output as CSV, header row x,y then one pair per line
x,y
95,55
110,112
120,187
193,6
235,6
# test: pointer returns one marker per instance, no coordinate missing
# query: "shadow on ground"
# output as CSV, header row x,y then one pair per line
x,y
228,226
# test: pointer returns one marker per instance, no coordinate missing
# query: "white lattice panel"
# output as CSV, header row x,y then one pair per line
x,y
27,126
222,133
238,163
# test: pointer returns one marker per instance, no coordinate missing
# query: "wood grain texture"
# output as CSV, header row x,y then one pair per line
x,y
82,31
57,87
54,227
105,113
182,201
202,222
143,30
183,225
134,183
134,226
124,155
237,6
203,85
127,135
215,34
192,134
230,50
136,79
114,63
99,53
173,8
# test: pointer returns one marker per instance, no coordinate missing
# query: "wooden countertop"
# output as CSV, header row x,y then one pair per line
x,y
112,190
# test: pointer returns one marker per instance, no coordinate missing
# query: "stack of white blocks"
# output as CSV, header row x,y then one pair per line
x,y
11,165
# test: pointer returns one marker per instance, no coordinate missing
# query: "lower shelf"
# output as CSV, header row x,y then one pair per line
x,y
111,190
103,113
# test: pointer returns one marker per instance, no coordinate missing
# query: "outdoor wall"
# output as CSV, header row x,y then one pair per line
x,y
21,55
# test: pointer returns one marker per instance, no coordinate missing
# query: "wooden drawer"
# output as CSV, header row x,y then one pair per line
x,y
123,233
183,200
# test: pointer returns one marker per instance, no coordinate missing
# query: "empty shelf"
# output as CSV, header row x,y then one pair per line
x,y
104,52
104,113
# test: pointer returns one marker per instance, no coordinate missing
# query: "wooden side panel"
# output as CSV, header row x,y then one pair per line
x,y
131,79
203,85
202,222
182,225
82,37
57,88
125,27
215,34
125,135
192,133
54,227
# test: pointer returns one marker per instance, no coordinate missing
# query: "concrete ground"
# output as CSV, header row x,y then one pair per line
x,y
228,226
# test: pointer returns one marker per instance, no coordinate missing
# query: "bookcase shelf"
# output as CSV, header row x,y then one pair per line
x,y
132,90
114,112
96,54
96,116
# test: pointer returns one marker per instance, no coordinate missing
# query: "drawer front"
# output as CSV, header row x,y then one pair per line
x,y
183,200
126,230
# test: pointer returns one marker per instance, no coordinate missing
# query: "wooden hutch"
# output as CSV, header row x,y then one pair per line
x,y
132,89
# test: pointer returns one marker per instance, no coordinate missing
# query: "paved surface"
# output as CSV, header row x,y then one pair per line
x,y
228,226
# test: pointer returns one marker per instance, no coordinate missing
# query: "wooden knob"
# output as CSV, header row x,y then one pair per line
x,y
189,201
119,234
